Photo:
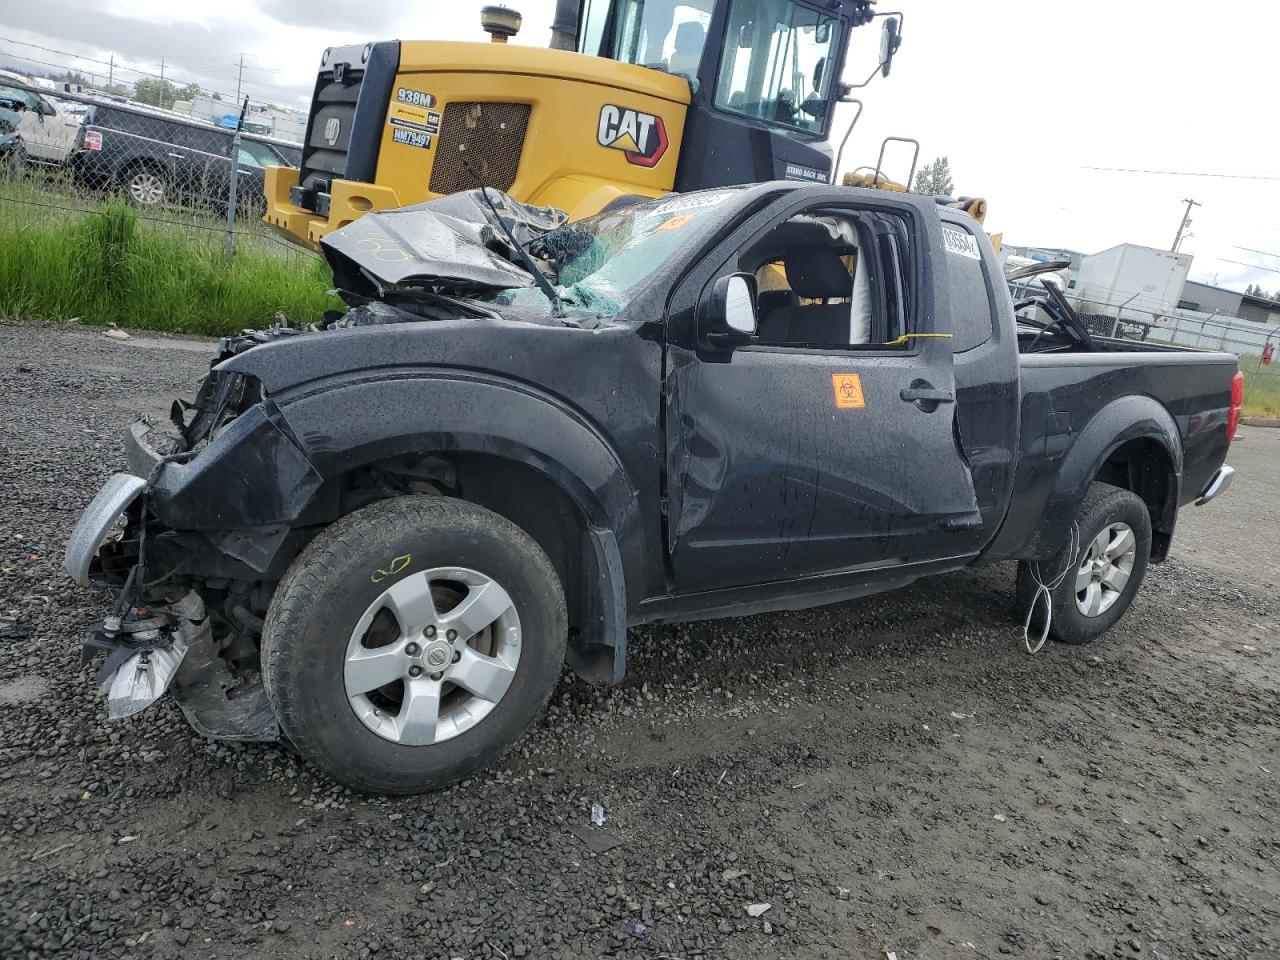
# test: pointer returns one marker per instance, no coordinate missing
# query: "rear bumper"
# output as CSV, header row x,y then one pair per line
x,y
1218,484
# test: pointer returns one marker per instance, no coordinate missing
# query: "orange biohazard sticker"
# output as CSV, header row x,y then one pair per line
x,y
848,388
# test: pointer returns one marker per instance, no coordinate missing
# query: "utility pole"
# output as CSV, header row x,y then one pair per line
x,y
1186,222
111,73
239,77
162,69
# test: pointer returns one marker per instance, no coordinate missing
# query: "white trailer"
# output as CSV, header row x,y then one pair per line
x,y
1131,282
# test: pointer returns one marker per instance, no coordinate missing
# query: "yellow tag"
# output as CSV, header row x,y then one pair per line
x,y
676,222
848,389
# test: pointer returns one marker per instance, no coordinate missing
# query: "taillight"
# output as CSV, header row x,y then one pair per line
x,y
1237,402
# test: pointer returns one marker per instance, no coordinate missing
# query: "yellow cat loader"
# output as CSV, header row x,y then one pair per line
x,y
636,98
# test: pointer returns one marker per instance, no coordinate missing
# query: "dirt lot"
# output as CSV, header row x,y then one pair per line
x,y
895,774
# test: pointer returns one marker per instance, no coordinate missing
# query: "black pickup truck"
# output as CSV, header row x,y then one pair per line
x,y
381,536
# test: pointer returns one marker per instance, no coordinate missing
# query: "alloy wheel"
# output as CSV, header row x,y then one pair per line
x,y
432,656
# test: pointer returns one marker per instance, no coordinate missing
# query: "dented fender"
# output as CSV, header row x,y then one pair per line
x,y
380,417
253,473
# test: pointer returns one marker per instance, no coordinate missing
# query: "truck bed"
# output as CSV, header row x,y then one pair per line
x,y
1071,398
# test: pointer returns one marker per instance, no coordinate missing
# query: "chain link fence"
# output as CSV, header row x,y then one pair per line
x,y
67,155
1254,343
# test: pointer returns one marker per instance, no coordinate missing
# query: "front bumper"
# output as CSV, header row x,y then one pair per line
x,y
1218,484
96,523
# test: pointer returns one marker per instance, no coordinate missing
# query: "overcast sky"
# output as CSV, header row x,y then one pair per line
x,y
1024,96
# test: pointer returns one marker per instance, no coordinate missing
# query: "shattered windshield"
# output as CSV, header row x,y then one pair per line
x,y
599,263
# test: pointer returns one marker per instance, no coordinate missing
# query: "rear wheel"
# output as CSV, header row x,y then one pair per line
x,y
412,642
1103,572
144,186
13,161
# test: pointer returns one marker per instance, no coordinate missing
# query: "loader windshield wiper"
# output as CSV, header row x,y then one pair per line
x,y
540,278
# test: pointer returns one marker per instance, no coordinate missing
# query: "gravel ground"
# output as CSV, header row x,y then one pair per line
x,y
894,774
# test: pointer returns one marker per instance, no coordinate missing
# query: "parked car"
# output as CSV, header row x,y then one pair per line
x,y
382,538
47,132
156,157
12,156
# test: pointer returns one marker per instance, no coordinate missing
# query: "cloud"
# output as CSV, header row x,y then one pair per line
x,y
374,20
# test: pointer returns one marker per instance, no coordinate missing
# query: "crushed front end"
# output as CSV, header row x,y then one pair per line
x,y
187,600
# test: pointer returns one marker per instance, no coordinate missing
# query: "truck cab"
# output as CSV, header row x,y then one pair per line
x,y
647,98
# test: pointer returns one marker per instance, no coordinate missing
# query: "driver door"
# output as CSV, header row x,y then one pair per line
x,y
795,460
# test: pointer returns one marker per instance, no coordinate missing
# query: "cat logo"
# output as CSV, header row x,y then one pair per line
x,y
641,136
332,127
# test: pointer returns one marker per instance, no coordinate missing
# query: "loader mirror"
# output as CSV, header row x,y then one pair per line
x,y
890,41
822,34
746,35
727,313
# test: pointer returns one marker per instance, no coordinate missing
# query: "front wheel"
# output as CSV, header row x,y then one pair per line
x,y
412,642
13,160
1101,576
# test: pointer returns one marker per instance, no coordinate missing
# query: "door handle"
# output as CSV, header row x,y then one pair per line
x,y
923,395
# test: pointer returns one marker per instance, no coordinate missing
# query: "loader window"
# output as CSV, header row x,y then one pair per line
x,y
778,63
664,35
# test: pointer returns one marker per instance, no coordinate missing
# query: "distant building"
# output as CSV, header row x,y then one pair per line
x,y
261,119
1131,281
1210,299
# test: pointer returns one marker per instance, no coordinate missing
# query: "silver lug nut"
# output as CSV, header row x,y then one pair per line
x,y
457,655
436,676
411,649
415,671
451,635
430,631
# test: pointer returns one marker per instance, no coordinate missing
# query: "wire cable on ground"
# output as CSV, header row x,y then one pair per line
x,y
1046,590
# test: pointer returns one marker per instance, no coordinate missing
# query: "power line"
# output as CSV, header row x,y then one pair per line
x,y
1251,266
116,67
1251,250
1188,173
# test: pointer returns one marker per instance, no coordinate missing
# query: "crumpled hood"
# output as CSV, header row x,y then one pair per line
x,y
451,242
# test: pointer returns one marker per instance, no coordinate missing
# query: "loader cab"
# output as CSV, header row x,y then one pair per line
x,y
764,77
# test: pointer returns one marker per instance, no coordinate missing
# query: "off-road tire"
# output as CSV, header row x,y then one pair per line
x,y
1103,505
328,587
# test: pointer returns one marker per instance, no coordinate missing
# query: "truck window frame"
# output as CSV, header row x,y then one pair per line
x,y
908,279
972,227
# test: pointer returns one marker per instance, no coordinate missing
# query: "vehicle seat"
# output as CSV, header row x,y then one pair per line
x,y
690,36
773,325
814,272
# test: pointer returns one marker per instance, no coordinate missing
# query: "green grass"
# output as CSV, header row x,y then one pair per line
x,y
1261,389
99,262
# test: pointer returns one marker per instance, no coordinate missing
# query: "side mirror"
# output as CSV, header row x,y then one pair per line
x,y
822,33
747,35
890,41
727,314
